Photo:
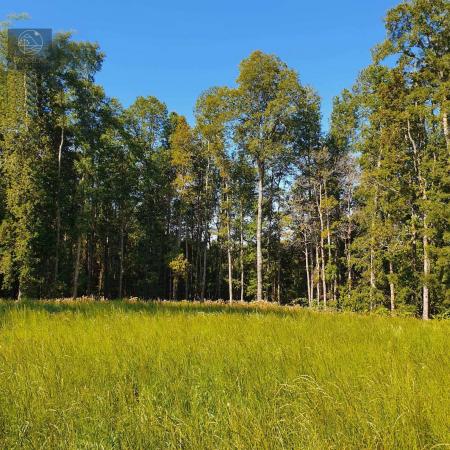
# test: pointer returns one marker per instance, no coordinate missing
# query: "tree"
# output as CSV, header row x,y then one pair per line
x,y
268,99
214,111
418,32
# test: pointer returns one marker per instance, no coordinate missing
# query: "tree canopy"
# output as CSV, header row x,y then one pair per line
x,y
253,200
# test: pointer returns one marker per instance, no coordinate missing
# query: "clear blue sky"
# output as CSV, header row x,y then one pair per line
x,y
176,49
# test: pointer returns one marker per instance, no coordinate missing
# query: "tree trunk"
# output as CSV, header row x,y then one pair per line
x,y
230,261
175,287
426,256
327,214
121,261
25,104
76,271
90,277
372,276
100,281
242,253
191,272
308,283
279,282
446,131
372,243
322,252
426,271
230,271
335,277
205,230
58,208
348,250
219,272
311,282
186,278
259,259
198,262
349,270
205,251
106,276
318,275
391,285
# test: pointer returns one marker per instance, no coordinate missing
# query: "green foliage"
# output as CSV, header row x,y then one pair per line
x,y
404,146
97,199
179,265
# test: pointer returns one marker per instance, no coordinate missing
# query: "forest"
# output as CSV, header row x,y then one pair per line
x,y
243,277
253,201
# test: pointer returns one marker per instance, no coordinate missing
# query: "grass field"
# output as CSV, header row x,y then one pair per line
x,y
164,375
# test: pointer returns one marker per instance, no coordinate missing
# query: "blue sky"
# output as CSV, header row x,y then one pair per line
x,y
176,49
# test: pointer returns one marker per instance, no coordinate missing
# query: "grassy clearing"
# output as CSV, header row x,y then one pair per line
x,y
132,375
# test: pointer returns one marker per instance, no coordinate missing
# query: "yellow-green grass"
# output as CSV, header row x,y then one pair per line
x,y
164,375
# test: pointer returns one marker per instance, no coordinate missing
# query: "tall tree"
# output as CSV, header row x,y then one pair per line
x,y
269,95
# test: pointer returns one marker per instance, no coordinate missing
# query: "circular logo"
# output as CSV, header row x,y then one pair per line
x,y
30,42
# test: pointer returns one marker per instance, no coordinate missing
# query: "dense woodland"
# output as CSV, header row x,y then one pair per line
x,y
253,201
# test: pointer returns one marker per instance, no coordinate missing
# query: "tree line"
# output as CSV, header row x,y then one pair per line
x,y
253,201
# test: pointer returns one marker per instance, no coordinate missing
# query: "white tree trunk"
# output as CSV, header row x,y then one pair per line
x,y
372,275
446,131
259,259
230,260
308,283
206,230
391,285
318,275
322,252
426,256
426,271
58,207
242,253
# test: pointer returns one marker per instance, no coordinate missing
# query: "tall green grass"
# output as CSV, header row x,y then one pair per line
x,y
131,376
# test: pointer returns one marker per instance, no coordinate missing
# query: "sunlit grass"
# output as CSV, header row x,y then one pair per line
x,y
163,375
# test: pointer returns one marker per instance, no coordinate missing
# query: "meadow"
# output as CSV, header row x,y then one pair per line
x,y
134,375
